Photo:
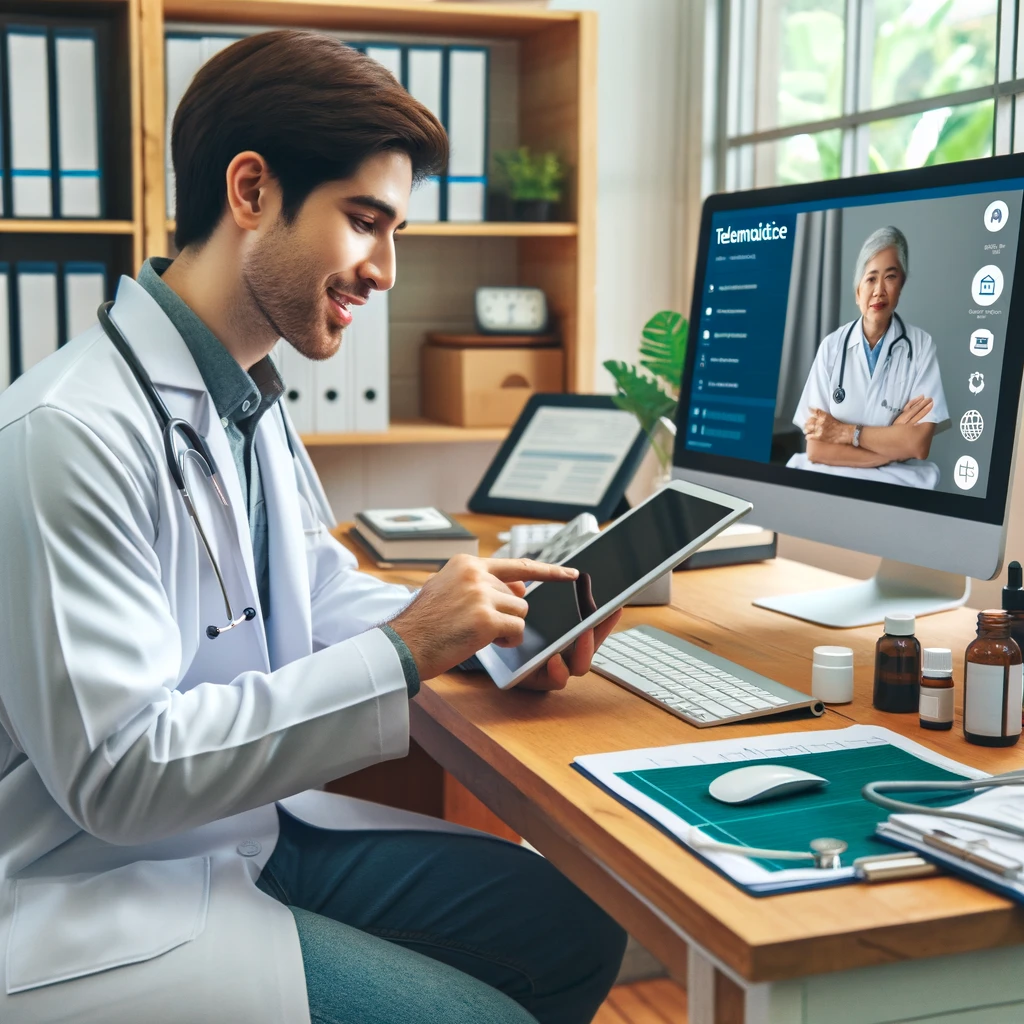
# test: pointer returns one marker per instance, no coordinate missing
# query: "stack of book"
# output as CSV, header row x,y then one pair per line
x,y
419,538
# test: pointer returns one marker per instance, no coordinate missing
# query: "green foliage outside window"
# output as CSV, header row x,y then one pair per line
x,y
921,48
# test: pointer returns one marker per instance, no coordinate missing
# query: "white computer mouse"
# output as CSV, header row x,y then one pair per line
x,y
762,782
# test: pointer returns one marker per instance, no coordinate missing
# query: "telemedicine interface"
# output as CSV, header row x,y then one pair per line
x,y
781,334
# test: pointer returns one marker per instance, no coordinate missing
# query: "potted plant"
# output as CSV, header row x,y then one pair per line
x,y
650,390
534,181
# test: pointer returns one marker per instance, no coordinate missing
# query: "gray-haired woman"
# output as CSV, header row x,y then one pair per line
x,y
874,395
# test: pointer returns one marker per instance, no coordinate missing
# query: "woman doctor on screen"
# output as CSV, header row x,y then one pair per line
x,y
874,395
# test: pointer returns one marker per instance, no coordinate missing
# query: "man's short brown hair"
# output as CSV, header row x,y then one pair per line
x,y
311,106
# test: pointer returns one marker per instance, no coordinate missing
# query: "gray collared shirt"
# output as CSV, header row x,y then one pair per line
x,y
241,399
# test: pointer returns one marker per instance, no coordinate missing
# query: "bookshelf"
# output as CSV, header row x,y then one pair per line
x,y
555,87
117,240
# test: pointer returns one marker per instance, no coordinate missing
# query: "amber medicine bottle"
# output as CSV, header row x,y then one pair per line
x,y
937,688
993,683
1013,602
898,666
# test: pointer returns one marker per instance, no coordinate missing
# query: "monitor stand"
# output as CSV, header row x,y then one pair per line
x,y
895,587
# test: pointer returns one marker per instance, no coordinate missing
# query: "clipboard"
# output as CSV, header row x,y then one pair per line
x,y
566,454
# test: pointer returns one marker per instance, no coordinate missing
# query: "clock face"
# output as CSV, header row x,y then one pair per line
x,y
511,310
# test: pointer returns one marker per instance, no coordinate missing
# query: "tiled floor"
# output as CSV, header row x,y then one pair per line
x,y
659,1001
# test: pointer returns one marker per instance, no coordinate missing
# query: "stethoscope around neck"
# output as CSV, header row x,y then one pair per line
x,y
196,452
839,395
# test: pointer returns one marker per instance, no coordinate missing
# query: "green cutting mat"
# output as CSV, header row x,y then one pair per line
x,y
836,811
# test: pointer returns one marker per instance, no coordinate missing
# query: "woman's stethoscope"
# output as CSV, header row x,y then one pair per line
x,y
195,453
825,853
839,395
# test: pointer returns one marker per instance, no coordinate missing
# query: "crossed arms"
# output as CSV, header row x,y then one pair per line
x,y
830,441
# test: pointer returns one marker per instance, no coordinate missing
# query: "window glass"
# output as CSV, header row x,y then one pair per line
x,y
934,137
931,47
800,61
798,159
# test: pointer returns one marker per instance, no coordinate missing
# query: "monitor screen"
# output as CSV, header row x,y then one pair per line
x,y
857,338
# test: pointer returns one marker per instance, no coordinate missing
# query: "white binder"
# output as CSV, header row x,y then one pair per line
x,y
466,199
38,333
467,133
332,379
85,287
184,55
389,56
297,373
425,82
368,338
5,326
28,95
425,201
78,139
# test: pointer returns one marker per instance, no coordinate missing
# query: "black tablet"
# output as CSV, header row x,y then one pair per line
x,y
635,550
565,455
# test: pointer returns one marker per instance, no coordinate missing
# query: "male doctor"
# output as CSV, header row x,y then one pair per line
x,y
146,872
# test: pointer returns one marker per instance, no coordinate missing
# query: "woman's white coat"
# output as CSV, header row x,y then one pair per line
x,y
874,399
139,760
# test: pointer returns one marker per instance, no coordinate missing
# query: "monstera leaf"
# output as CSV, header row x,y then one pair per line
x,y
663,349
640,395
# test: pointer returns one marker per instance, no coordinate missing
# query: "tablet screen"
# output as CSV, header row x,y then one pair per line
x,y
609,565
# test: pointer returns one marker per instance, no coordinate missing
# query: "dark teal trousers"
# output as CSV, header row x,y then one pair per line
x,y
407,927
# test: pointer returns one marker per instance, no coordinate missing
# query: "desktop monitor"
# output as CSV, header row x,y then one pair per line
x,y
854,370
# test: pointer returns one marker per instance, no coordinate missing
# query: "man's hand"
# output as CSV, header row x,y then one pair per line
x,y
556,673
469,604
823,426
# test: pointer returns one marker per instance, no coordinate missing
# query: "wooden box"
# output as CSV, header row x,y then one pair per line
x,y
485,387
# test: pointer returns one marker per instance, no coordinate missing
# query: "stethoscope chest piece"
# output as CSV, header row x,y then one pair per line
x,y
839,396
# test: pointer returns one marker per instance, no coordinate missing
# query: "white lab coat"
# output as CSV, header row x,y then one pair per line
x,y
139,760
874,399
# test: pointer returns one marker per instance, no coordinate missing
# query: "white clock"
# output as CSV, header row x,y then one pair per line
x,y
511,311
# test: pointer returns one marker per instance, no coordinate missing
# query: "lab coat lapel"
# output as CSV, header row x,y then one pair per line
x,y
169,363
289,627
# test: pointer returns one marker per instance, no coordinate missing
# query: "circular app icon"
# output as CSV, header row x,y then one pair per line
x,y
965,473
987,285
971,425
976,383
996,215
982,342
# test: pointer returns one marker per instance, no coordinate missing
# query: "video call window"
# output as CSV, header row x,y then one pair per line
x,y
860,338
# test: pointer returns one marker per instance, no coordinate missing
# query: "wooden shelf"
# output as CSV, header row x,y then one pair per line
x,y
412,16
485,229
409,432
493,229
57,226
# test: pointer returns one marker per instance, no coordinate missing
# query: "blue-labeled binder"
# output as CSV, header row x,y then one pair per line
x,y
85,287
390,56
78,123
30,117
423,75
38,313
6,334
467,96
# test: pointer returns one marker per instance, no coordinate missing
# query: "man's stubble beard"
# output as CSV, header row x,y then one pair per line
x,y
287,297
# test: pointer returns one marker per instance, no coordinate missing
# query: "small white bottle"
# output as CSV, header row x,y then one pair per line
x,y
936,688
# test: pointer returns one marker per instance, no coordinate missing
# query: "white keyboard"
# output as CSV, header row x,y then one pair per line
x,y
691,683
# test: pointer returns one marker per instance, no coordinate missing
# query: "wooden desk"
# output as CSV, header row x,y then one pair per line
x,y
855,954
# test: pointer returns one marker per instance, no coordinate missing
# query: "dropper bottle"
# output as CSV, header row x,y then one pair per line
x,y
1013,602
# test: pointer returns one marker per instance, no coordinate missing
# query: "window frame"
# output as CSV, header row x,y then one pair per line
x,y
739,57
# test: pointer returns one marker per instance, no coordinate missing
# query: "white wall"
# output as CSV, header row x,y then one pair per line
x,y
640,252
